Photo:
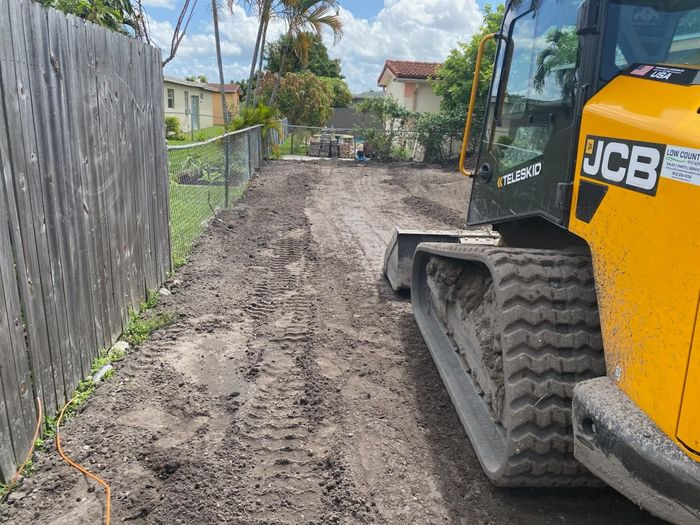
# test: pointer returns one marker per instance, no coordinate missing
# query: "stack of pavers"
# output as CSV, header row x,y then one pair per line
x,y
320,146
345,146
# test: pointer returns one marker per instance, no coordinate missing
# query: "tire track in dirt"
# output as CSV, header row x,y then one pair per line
x,y
294,386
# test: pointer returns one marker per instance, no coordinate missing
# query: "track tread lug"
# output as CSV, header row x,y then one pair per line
x,y
550,339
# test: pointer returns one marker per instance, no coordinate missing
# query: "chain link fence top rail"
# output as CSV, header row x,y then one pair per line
x,y
208,177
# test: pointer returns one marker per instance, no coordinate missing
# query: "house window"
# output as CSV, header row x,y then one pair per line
x,y
171,98
187,100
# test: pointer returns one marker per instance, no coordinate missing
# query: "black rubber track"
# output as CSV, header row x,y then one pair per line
x,y
548,329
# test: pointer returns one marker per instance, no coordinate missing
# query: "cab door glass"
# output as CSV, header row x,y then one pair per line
x,y
538,96
526,147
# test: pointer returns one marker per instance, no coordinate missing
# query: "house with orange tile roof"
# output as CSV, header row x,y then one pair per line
x,y
409,83
233,94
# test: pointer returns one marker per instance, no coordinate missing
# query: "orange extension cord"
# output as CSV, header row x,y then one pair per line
x,y
73,464
39,419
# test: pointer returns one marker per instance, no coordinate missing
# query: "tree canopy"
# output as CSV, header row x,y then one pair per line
x,y
303,98
340,92
318,63
118,15
197,78
454,79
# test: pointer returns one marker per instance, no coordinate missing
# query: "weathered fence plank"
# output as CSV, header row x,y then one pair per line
x,y
84,228
20,180
15,377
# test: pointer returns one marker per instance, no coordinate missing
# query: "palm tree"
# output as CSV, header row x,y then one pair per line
x,y
264,9
224,107
219,61
304,17
265,17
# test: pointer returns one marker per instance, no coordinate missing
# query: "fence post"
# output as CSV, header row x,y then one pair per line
x,y
250,156
291,151
261,147
227,177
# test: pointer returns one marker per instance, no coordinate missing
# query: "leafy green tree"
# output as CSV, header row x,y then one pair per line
x,y
266,84
454,79
390,141
319,63
118,15
303,18
339,91
304,99
440,134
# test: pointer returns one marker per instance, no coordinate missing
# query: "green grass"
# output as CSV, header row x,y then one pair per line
x,y
299,148
200,135
141,326
191,207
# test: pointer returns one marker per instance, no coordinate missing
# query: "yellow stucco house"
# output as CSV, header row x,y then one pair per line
x,y
409,84
233,93
198,105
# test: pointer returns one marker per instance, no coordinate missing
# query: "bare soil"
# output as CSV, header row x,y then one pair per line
x,y
294,386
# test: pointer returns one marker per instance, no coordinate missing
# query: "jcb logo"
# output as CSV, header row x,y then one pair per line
x,y
632,165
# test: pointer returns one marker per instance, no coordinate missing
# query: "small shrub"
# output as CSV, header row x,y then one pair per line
x,y
440,134
172,129
275,151
399,153
396,120
202,137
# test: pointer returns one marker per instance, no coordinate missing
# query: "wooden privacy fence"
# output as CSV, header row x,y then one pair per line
x,y
83,204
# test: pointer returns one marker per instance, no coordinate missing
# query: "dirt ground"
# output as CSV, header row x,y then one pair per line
x,y
294,386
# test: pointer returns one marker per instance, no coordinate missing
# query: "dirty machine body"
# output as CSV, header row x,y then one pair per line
x,y
571,345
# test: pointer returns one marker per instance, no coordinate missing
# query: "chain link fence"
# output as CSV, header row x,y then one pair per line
x,y
208,177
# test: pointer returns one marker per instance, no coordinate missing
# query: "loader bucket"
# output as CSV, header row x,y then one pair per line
x,y
398,260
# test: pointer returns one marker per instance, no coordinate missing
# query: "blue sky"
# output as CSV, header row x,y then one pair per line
x,y
374,30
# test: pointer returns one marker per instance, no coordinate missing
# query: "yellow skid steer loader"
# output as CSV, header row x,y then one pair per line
x,y
571,346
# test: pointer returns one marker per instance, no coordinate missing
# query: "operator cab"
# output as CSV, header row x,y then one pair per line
x,y
553,56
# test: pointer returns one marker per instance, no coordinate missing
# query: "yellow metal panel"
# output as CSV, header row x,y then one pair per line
x,y
646,248
689,421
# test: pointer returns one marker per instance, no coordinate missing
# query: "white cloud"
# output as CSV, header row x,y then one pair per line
x,y
423,30
196,54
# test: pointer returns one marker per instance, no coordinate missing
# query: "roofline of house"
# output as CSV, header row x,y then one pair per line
x,y
399,77
238,89
414,80
188,83
200,85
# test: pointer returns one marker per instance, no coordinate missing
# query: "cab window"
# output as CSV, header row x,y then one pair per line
x,y
536,97
650,32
